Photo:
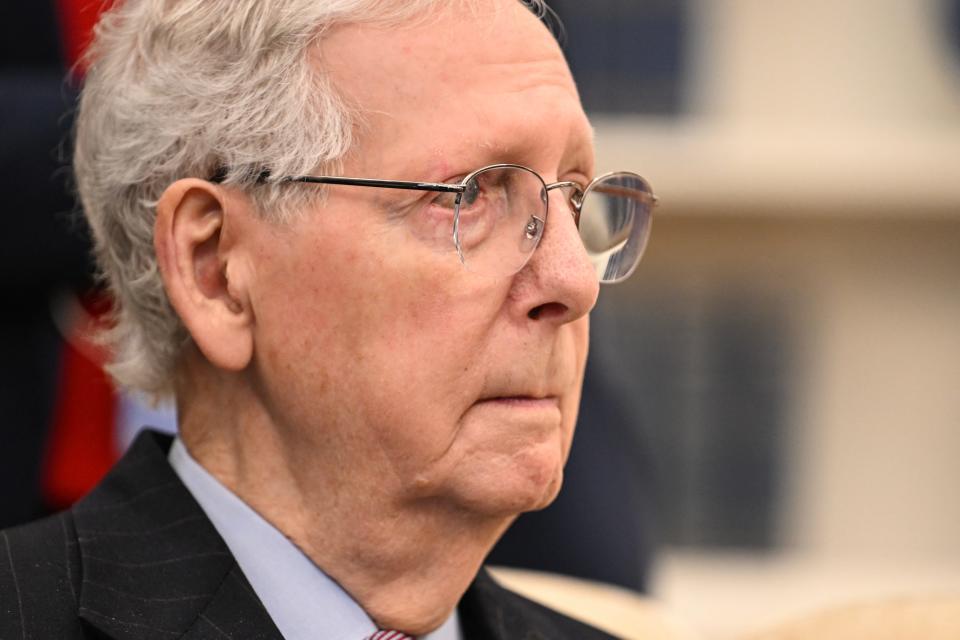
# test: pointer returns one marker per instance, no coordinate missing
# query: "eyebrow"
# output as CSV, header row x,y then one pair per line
x,y
579,150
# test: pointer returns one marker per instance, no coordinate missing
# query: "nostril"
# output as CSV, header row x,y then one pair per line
x,y
548,310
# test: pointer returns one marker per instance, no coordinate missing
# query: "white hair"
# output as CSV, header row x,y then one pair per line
x,y
187,88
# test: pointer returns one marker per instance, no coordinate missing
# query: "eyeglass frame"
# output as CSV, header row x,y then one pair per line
x,y
575,199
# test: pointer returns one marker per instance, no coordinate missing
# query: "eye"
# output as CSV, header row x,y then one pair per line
x,y
445,200
471,192
448,200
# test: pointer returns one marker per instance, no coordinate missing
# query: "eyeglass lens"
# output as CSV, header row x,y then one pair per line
x,y
615,221
500,220
502,213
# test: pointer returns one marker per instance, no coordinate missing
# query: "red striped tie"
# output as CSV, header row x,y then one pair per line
x,y
386,634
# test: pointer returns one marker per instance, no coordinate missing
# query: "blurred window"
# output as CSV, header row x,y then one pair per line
x,y
704,380
627,55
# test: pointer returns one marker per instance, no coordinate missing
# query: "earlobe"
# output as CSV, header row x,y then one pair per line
x,y
195,252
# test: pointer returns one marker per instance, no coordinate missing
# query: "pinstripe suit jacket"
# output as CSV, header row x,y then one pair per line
x,y
138,558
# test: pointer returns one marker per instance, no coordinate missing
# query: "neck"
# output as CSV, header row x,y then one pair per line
x,y
405,561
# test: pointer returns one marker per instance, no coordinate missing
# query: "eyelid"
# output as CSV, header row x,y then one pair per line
x,y
576,176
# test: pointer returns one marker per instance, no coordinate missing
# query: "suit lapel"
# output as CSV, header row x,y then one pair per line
x,y
234,611
153,566
490,612
487,613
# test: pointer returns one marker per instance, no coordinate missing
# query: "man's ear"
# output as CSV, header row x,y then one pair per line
x,y
194,255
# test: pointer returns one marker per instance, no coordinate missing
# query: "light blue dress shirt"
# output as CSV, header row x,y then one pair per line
x,y
301,599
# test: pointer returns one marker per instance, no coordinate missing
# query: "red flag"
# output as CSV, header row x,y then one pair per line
x,y
77,19
81,444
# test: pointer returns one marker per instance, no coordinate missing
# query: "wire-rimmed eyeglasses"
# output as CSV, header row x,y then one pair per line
x,y
496,216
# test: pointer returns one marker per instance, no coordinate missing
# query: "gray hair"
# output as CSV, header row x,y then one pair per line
x,y
187,88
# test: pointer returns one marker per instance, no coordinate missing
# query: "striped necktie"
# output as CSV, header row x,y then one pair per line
x,y
386,634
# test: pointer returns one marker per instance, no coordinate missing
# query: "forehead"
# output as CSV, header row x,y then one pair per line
x,y
456,84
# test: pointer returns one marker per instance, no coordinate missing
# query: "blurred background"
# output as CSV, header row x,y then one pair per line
x,y
789,350
771,421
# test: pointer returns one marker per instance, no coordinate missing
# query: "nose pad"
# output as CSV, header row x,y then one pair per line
x,y
572,197
532,233
565,206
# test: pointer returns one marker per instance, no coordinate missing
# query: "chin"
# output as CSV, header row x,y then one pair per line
x,y
526,482
537,496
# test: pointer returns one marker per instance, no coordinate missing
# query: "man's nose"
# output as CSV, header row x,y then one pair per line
x,y
559,283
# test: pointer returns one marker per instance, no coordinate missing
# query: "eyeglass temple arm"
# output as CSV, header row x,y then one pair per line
x,y
387,184
626,192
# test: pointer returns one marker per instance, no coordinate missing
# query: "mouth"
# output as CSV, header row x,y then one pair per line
x,y
522,401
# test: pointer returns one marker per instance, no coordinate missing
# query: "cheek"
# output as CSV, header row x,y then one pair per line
x,y
428,372
381,344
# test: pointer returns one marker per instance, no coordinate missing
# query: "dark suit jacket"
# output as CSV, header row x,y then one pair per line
x,y
138,558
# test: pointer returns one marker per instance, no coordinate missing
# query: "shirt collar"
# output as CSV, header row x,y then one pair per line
x,y
301,599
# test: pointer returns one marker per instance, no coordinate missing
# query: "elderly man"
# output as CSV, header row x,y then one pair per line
x,y
358,241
